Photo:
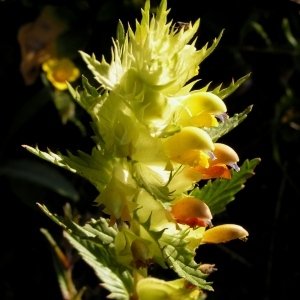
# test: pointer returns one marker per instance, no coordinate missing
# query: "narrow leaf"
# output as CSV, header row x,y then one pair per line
x,y
96,167
260,30
288,33
231,88
223,128
120,34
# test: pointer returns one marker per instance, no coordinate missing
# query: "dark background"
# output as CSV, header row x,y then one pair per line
x,y
266,267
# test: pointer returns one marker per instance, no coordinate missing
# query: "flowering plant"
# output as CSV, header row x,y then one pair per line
x,y
156,139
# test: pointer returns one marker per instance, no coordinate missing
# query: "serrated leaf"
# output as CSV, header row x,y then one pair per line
x,y
154,237
213,46
94,242
181,259
218,193
108,75
96,167
223,128
231,88
97,231
116,280
90,89
150,181
89,98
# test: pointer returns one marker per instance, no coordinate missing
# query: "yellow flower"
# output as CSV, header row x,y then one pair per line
x,y
191,146
59,71
200,108
152,288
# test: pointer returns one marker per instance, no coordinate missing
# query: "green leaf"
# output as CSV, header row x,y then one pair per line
x,y
223,128
150,181
89,98
90,89
94,242
288,33
154,237
120,34
96,167
215,43
263,34
65,282
115,279
79,295
218,193
96,231
230,89
181,259
108,75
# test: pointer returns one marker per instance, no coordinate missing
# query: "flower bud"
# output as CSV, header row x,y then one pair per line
x,y
204,102
116,200
224,155
224,233
140,253
207,268
184,147
199,110
191,211
152,288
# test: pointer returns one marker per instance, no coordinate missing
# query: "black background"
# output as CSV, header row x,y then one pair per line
x,y
266,267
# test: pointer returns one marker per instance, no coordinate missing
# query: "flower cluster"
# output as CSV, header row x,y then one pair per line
x,y
153,145
152,124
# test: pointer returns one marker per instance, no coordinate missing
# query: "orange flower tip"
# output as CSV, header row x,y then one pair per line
x,y
222,117
189,286
195,222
